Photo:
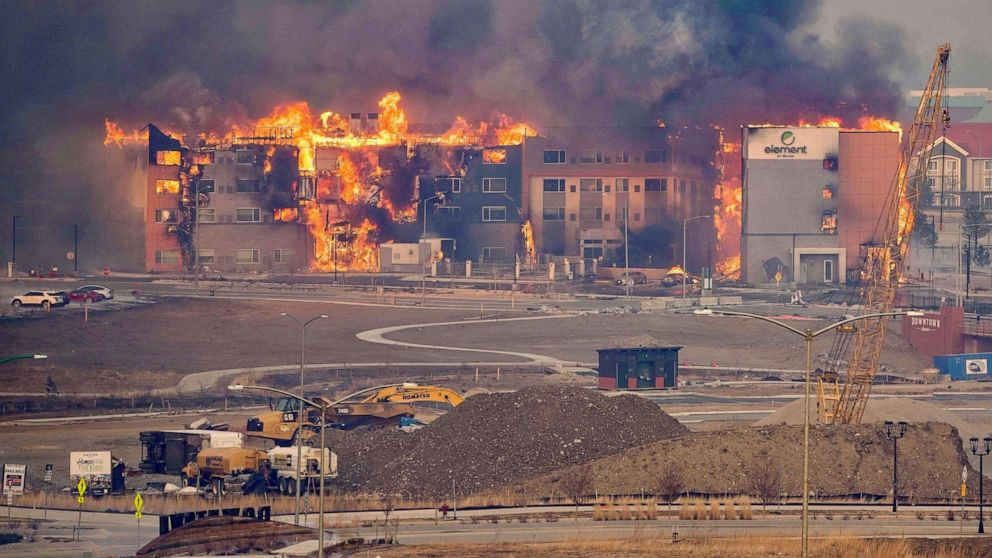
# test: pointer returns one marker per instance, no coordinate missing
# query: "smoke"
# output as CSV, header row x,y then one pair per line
x,y
195,67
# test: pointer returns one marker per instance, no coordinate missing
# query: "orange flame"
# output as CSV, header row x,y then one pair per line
x,y
527,231
286,214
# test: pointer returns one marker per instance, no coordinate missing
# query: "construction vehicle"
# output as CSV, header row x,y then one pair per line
x,y
166,452
221,468
843,401
387,405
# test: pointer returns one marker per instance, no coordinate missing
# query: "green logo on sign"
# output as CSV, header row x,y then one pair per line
x,y
788,138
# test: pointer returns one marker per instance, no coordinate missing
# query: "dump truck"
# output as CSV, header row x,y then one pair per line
x,y
104,473
258,471
217,467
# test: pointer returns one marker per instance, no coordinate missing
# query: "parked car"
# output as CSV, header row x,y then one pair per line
x,y
104,292
632,278
80,295
45,299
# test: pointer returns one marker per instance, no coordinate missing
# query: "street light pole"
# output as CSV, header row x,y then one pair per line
x,y
894,431
323,453
685,269
299,430
981,451
808,335
13,239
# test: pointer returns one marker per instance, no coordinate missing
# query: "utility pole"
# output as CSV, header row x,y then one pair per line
x,y
75,248
626,247
196,230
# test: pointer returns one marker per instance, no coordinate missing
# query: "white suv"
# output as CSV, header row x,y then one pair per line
x,y
45,299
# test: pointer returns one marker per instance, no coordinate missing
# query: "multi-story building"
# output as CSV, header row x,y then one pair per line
x,y
585,184
812,200
232,219
959,171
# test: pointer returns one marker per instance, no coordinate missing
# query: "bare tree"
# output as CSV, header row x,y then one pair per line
x,y
766,483
670,484
576,484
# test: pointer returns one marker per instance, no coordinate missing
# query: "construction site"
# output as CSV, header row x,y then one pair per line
x,y
419,315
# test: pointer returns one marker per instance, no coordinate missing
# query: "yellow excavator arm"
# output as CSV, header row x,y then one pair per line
x,y
413,393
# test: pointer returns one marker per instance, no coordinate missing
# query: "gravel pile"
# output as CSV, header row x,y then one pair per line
x,y
492,440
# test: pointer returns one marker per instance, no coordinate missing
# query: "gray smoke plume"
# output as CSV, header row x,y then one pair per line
x,y
192,67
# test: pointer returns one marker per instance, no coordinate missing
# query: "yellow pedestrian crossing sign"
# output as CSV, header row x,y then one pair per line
x,y
139,503
81,487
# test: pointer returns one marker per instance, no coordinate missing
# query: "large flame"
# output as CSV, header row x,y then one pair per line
x,y
527,231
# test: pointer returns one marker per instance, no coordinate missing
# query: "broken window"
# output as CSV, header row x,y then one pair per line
x,y
165,216
494,156
245,157
452,184
206,186
828,224
554,157
168,157
248,215
828,192
205,215
166,186
494,185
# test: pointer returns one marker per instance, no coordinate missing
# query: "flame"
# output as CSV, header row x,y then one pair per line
x,y
729,267
527,231
117,136
676,270
286,214
877,124
729,194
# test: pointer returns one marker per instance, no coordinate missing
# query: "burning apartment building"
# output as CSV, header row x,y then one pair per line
x,y
812,199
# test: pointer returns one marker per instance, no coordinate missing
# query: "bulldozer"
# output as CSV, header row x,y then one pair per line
x,y
376,407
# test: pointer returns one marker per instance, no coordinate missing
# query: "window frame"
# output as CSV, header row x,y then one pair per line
x,y
487,211
559,155
560,188
256,214
200,212
256,188
489,180
559,213
279,255
256,256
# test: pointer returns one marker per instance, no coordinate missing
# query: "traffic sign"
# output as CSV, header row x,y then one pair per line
x,y
13,478
139,503
70,255
81,487
48,472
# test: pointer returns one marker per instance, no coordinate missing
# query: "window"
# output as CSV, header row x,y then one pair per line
x,y
589,156
166,186
952,200
247,186
493,156
284,255
623,184
168,157
494,213
450,212
828,271
931,183
554,213
207,215
828,193
655,184
606,188
637,216
591,184
554,157
245,157
622,214
932,165
637,188
248,215
206,186
591,213
592,252
988,182
988,165
828,225
166,256
623,157
652,156
246,256
554,184
681,186
952,165
490,253
571,216
451,184
165,216
606,216
206,255
494,185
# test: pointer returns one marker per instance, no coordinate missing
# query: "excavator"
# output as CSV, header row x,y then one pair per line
x,y
843,400
375,407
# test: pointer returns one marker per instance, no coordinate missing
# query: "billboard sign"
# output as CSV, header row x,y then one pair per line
x,y
89,463
797,143
13,479
976,366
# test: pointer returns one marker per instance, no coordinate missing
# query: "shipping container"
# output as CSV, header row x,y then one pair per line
x,y
969,366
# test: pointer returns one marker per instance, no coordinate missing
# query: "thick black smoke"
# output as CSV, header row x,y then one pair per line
x,y
204,66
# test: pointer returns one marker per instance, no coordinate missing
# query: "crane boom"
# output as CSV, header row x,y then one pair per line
x,y
844,401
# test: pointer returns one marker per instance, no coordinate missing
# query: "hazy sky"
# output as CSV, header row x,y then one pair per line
x,y
965,24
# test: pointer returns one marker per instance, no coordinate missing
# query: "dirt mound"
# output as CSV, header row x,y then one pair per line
x,y
893,408
844,461
492,440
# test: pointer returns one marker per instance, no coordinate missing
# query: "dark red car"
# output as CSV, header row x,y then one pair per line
x,y
80,295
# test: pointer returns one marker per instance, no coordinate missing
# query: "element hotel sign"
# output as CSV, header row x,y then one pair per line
x,y
790,143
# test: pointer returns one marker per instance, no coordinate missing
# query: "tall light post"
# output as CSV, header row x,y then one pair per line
x,y
808,335
894,431
299,431
981,451
299,469
13,240
435,196
685,270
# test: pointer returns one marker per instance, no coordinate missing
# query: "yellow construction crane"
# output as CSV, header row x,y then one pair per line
x,y
843,400
413,393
